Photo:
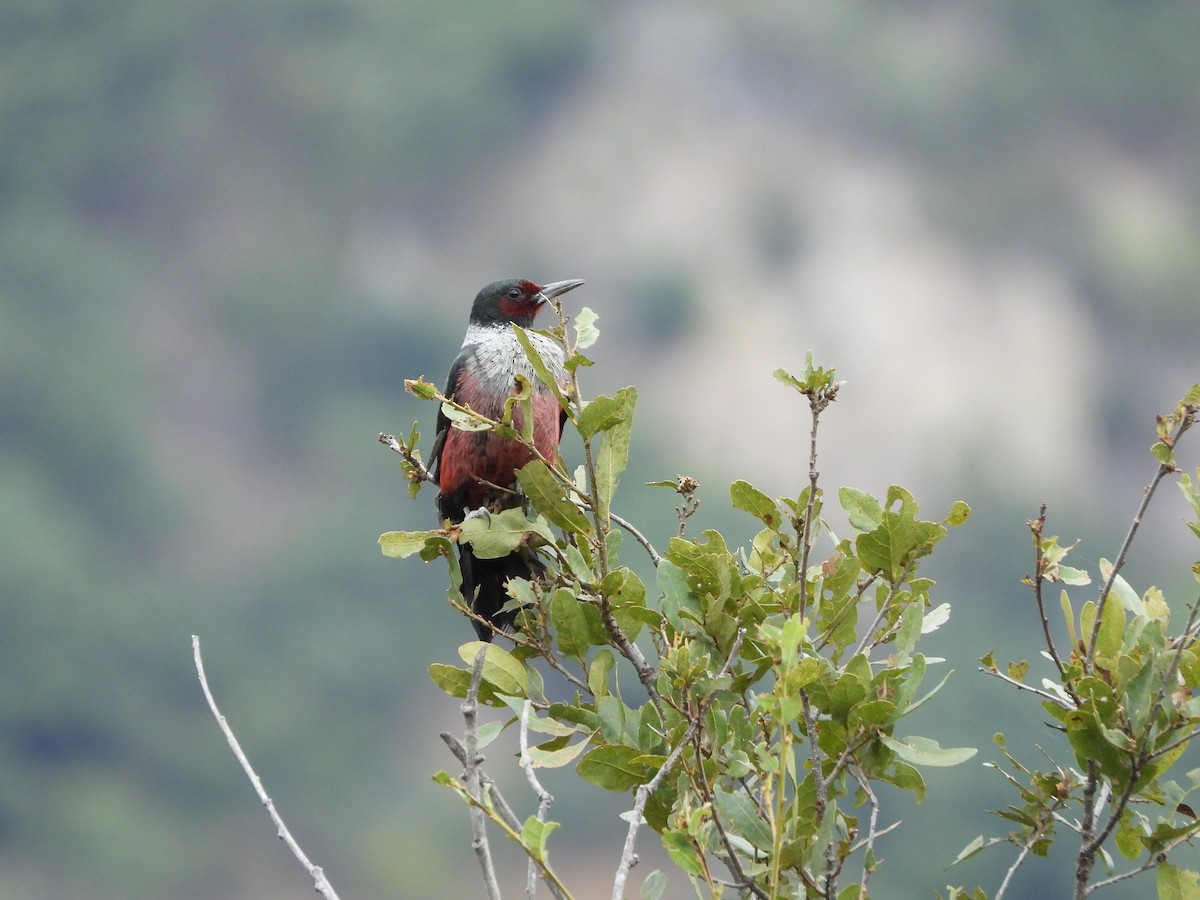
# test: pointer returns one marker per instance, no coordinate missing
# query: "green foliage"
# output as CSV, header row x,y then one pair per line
x,y
1123,700
766,686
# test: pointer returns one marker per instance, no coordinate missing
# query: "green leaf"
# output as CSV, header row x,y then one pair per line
x,y
488,732
614,454
1112,633
548,498
654,886
905,777
672,582
748,498
887,548
543,758
1122,590
1069,615
935,618
683,854
462,420
959,513
922,751
500,668
536,723
1164,453
399,544
544,375
1071,575
968,851
534,835
585,328
650,728
909,631
612,766
451,679
456,682
612,718
1174,883
865,512
498,534
1129,839
603,413
599,671
741,815
627,600
420,388
569,620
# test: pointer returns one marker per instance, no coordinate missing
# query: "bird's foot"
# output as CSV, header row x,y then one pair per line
x,y
482,513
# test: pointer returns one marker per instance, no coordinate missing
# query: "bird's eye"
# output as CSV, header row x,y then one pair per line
x,y
514,294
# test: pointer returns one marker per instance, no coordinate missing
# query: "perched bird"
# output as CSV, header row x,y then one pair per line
x,y
477,469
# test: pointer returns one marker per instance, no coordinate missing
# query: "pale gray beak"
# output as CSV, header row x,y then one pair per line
x,y
552,290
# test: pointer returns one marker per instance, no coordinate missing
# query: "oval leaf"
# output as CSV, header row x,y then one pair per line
x,y
500,668
922,751
548,498
612,767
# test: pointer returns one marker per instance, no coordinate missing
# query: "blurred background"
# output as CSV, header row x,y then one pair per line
x,y
229,230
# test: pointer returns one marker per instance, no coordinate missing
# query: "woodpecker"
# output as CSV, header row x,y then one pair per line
x,y
478,469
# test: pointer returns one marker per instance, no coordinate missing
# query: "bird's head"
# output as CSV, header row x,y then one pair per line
x,y
516,300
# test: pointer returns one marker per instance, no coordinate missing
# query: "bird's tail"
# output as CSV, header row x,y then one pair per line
x,y
483,587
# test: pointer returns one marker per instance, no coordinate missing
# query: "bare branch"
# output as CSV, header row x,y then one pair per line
x,y
544,802
655,556
873,831
320,882
1021,686
479,840
504,812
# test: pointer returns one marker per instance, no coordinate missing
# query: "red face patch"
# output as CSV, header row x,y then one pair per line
x,y
522,299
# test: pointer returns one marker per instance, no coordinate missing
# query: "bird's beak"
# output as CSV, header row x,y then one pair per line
x,y
552,290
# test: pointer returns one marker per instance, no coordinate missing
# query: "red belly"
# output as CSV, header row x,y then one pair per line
x,y
478,459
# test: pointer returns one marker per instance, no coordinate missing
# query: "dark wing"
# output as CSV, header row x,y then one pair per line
x,y
443,423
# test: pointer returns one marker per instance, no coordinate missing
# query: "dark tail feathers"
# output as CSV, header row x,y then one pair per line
x,y
483,582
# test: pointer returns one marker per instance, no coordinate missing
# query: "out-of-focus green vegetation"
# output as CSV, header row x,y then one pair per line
x,y
192,371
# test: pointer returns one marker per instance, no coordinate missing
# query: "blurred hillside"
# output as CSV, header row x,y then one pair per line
x,y
229,230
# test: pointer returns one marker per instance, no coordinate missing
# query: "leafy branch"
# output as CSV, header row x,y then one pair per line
x,y
1123,702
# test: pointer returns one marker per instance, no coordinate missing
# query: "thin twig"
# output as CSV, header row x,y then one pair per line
x,y
646,791
558,666
479,840
320,882
544,801
1044,822
806,535
1021,686
410,456
655,556
864,784
1154,860
1037,526
490,788
884,607
1164,470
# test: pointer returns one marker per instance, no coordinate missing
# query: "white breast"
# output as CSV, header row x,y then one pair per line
x,y
498,356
